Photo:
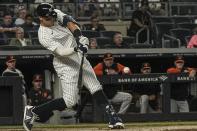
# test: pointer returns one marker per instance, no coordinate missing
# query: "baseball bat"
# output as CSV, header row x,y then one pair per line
x,y
72,27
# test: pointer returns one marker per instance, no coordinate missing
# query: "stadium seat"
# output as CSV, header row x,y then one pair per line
x,y
90,33
190,26
142,45
181,33
162,19
182,20
35,41
129,40
161,29
33,34
9,47
104,42
33,47
108,33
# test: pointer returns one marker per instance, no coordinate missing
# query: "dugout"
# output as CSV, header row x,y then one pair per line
x,y
11,110
34,61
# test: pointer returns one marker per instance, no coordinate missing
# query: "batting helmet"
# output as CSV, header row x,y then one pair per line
x,y
46,9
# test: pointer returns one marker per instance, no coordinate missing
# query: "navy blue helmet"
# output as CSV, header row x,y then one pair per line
x,y
46,9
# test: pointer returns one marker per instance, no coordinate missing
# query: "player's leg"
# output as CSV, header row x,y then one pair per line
x,y
93,85
125,100
32,113
173,106
183,106
144,103
70,93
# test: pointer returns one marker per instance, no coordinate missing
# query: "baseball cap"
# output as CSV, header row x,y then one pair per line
x,y
10,58
146,65
37,77
108,56
179,59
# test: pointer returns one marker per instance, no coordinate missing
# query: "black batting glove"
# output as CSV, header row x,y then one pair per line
x,y
81,48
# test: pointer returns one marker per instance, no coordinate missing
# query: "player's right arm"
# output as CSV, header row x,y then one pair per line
x,y
52,45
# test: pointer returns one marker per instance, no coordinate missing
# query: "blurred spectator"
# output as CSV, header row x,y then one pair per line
x,y
43,1
141,19
118,41
149,93
193,42
109,7
8,27
157,8
93,43
11,70
37,94
95,25
20,40
29,25
109,67
22,12
179,91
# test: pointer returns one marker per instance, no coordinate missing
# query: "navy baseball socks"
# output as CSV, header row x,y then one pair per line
x,y
115,121
42,112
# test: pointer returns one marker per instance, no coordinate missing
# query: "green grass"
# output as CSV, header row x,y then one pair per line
x,y
99,125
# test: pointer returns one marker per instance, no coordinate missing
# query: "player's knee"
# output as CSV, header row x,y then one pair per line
x,y
129,97
95,89
144,98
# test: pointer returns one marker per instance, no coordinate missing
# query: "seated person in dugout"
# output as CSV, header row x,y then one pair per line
x,y
11,70
149,94
37,94
179,91
109,67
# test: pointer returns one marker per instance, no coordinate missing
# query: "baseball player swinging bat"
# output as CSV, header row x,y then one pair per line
x,y
68,46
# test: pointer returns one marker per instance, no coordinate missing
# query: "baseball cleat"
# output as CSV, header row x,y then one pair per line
x,y
116,125
29,118
115,122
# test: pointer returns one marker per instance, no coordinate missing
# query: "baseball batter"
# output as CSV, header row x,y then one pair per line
x,y
60,34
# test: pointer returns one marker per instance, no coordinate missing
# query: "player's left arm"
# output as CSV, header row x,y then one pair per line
x,y
68,21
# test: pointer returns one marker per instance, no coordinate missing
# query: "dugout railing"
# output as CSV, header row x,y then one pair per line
x,y
165,79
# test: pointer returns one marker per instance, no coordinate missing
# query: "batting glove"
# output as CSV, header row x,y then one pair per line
x,y
63,19
84,40
83,49
60,15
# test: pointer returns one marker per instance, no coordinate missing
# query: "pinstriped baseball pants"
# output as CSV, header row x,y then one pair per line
x,y
69,83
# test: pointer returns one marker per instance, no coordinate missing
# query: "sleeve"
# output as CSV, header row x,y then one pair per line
x,y
192,42
47,41
98,69
172,70
190,69
121,68
12,42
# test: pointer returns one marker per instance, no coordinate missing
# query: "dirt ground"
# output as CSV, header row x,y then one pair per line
x,y
164,128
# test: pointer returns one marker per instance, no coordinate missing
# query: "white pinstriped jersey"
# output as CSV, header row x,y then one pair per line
x,y
67,67
51,38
